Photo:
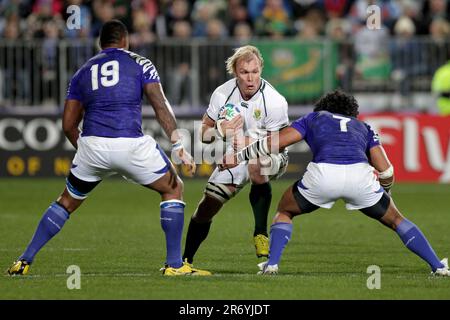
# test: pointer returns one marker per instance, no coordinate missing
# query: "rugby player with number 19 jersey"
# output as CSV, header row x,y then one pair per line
x,y
106,93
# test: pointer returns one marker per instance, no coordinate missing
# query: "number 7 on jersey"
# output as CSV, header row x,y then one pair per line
x,y
343,122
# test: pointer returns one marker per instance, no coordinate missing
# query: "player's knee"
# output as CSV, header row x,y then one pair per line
x,y
256,176
207,209
283,216
393,217
76,191
179,186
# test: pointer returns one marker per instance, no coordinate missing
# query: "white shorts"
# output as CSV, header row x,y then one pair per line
x,y
137,159
356,184
238,175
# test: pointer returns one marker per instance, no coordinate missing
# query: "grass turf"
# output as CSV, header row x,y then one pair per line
x,y
116,240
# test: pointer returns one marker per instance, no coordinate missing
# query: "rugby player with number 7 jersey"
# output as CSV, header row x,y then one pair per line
x,y
349,163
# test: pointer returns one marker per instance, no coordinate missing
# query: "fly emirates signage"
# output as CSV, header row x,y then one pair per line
x,y
417,145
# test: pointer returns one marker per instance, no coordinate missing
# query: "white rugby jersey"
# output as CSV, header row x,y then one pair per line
x,y
267,110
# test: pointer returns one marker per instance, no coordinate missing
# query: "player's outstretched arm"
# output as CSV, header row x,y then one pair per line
x,y
73,114
263,147
380,161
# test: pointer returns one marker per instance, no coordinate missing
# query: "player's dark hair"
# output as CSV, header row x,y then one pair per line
x,y
338,102
112,32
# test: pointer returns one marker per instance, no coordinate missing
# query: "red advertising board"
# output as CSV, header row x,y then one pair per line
x,y
418,145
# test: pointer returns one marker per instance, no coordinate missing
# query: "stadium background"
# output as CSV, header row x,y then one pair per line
x,y
309,47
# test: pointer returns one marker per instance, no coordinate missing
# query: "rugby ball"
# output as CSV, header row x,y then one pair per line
x,y
228,112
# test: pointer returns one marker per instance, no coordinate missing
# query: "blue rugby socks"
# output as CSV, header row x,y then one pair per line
x,y
51,223
415,241
172,221
280,234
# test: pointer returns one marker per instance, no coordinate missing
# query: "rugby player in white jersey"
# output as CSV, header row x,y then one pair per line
x,y
262,111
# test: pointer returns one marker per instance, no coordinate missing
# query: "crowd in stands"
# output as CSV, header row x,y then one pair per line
x,y
149,20
364,53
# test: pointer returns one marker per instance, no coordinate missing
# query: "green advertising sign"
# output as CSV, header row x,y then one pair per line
x,y
300,71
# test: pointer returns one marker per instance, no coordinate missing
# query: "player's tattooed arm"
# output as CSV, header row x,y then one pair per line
x,y
73,114
263,147
163,110
166,118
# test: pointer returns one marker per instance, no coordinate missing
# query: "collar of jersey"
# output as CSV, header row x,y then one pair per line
x,y
109,49
259,89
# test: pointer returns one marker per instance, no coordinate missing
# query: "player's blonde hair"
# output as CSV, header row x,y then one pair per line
x,y
245,52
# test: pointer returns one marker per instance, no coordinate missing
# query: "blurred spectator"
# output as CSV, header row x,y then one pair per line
x,y
180,77
122,11
142,31
182,30
149,7
431,10
51,7
373,57
19,8
407,56
337,8
315,19
11,30
308,31
301,7
215,30
256,8
275,21
339,30
49,61
242,32
43,12
411,9
178,11
203,12
14,76
372,54
103,11
237,15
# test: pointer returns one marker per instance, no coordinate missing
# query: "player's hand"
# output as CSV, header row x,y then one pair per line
x,y
229,128
186,161
229,161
